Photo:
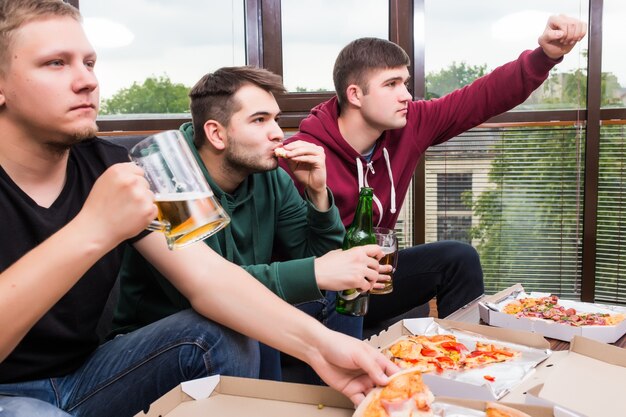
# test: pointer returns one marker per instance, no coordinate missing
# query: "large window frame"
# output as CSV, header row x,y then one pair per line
x,y
406,28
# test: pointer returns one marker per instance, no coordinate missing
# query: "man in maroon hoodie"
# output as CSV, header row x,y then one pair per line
x,y
374,135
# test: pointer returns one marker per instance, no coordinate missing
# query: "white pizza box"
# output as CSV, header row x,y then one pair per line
x,y
560,331
441,386
244,397
589,379
533,410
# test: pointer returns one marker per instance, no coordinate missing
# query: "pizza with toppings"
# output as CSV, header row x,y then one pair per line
x,y
548,308
438,353
405,395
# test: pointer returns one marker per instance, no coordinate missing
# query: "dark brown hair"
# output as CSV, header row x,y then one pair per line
x,y
15,13
357,59
212,98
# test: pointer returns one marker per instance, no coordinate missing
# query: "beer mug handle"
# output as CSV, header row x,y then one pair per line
x,y
160,226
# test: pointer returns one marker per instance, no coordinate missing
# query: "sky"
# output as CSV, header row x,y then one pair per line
x,y
188,38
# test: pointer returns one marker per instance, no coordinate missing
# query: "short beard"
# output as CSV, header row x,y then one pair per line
x,y
76,137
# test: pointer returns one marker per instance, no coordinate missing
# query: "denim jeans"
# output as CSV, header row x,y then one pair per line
x,y
323,309
449,270
126,374
28,407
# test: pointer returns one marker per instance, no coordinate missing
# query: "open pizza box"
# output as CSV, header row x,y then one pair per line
x,y
533,410
441,386
589,380
560,331
242,397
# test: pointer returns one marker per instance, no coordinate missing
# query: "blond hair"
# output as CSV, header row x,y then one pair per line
x,y
16,13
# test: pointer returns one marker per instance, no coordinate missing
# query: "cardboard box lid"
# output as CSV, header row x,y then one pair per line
x,y
444,386
589,380
533,410
560,331
242,397
408,326
239,397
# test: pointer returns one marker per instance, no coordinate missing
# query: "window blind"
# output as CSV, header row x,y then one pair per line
x,y
611,227
516,194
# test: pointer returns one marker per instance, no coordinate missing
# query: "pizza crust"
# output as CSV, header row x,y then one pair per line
x,y
498,410
280,152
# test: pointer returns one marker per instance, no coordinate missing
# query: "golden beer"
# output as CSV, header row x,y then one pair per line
x,y
191,217
390,258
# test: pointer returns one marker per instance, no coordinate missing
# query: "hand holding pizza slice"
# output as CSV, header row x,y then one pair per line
x,y
405,395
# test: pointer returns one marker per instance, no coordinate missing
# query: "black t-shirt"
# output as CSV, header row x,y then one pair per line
x,y
64,337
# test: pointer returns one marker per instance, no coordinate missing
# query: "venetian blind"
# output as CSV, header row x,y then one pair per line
x,y
515,194
611,226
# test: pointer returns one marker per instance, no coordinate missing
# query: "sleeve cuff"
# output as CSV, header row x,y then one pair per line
x,y
297,280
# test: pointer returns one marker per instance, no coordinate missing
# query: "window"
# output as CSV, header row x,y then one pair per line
x,y
454,215
314,31
465,40
611,230
151,52
613,64
520,190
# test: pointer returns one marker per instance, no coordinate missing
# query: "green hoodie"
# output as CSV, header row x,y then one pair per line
x,y
267,216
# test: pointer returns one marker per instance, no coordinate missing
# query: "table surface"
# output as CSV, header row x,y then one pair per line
x,y
470,314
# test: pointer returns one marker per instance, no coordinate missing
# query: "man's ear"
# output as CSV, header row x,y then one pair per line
x,y
354,95
215,134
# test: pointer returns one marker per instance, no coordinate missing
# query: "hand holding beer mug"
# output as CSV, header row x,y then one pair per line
x,y
388,242
188,210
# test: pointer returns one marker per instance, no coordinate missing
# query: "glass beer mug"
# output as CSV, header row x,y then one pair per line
x,y
188,210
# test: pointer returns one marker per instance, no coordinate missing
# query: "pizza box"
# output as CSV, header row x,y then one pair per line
x,y
243,397
589,379
454,388
533,410
608,334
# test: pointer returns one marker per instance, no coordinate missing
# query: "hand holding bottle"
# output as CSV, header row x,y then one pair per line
x,y
358,267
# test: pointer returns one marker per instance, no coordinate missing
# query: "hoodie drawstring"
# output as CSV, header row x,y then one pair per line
x,y
393,188
359,172
362,182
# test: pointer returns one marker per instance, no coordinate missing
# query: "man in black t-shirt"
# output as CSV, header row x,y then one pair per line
x,y
69,204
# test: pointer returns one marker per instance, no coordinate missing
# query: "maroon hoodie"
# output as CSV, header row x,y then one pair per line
x,y
429,122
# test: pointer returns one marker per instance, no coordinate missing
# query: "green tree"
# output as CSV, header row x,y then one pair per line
x,y
529,220
451,78
155,95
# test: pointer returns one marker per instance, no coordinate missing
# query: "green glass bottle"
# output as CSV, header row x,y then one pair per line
x,y
353,302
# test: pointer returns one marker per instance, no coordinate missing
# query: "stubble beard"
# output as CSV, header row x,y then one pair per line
x,y
239,162
72,139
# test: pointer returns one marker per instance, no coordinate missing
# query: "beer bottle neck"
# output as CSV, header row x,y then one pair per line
x,y
363,216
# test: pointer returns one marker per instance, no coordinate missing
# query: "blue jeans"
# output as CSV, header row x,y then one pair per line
x,y
449,270
125,375
28,407
273,362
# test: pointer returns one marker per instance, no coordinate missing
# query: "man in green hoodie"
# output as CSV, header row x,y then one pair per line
x,y
236,137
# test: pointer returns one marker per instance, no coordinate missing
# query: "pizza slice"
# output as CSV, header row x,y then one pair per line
x,y
410,353
499,410
428,353
486,353
280,152
405,395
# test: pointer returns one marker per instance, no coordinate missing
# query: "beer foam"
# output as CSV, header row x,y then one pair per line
x,y
195,195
